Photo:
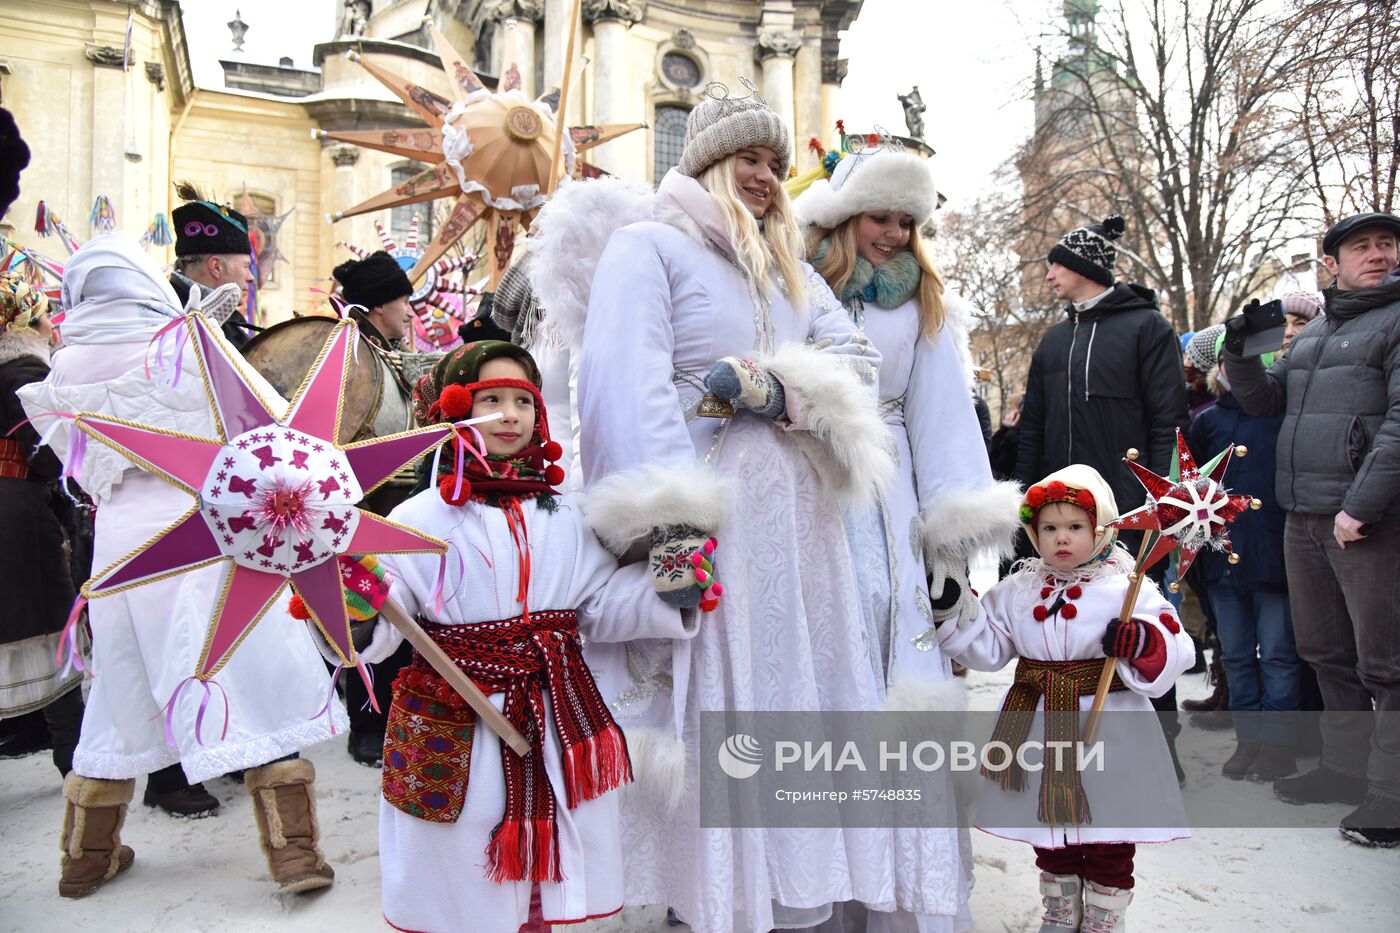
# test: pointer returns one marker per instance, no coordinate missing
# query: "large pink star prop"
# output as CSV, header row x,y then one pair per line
x,y
1188,509
275,497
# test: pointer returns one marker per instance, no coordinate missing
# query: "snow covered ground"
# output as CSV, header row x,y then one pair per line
x,y
208,875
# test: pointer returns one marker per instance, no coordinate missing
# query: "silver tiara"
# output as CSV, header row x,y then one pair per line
x,y
859,144
719,91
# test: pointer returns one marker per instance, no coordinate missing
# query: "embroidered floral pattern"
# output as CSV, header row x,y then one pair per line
x,y
427,753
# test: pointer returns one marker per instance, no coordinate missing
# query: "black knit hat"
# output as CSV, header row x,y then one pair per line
x,y
1090,250
203,228
373,281
14,156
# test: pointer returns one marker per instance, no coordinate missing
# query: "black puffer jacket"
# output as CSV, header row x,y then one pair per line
x,y
1102,381
1339,392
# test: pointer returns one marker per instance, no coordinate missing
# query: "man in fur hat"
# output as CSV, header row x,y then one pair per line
x,y
212,249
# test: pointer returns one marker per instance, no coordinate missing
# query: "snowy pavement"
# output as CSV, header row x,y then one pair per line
x,y
203,876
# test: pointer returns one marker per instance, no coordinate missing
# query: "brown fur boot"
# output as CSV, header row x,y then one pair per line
x,y
284,804
93,853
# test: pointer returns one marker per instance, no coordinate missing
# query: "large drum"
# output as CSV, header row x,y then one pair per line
x,y
377,399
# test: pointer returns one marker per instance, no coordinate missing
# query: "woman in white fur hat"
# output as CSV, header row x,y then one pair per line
x,y
943,506
709,296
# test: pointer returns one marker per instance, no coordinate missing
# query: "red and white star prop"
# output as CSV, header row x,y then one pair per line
x,y
1190,508
274,497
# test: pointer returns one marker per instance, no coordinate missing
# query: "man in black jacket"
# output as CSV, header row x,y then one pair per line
x,y
1105,379
1338,478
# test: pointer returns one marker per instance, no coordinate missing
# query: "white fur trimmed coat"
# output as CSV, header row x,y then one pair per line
x,y
665,305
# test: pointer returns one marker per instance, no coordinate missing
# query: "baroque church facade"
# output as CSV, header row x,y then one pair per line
x,y
101,122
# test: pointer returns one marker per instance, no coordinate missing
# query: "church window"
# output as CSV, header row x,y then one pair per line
x,y
680,70
669,139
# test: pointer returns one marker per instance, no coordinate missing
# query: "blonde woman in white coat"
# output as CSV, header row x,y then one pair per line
x,y
705,297
942,507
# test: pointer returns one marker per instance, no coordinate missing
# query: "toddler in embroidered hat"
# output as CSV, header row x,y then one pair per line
x,y
1057,616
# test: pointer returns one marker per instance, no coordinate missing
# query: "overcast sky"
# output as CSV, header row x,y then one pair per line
x,y
973,64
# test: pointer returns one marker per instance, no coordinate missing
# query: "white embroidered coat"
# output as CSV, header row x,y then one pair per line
x,y
569,570
1134,757
148,639
665,306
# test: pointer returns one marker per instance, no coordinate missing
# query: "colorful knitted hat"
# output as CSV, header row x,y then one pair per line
x,y
722,125
20,302
373,281
1090,250
1079,485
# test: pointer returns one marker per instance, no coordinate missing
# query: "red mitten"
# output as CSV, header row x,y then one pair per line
x,y
1126,639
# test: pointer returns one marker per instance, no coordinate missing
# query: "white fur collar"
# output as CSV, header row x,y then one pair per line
x,y
19,343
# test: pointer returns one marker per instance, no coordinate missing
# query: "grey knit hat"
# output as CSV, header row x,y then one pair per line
x,y
1203,351
722,125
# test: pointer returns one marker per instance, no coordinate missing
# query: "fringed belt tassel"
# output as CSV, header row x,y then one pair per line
x,y
523,658
1062,683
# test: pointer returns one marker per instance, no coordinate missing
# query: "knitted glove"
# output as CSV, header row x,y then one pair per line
x,y
365,585
682,569
743,382
1129,639
952,596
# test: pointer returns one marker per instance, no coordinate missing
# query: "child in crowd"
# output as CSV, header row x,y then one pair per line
x,y
467,828
1058,614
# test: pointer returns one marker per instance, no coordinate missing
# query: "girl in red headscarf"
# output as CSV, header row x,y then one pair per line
x,y
524,582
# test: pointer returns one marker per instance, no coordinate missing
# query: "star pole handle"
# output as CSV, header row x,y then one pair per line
x,y
494,719
1110,665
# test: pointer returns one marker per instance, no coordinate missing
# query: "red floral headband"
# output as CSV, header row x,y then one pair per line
x,y
1037,497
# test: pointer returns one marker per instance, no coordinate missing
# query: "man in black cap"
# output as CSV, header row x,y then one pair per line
x,y
212,249
1339,480
377,291
1105,379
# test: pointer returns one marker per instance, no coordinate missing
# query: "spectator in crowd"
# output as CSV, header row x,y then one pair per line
x,y
1249,599
1338,479
1105,379
1299,310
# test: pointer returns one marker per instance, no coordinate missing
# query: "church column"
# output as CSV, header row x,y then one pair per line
x,y
833,73
514,37
610,20
776,51
110,172
556,37
352,230
807,110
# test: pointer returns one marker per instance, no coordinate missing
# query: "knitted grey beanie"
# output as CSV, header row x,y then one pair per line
x,y
720,127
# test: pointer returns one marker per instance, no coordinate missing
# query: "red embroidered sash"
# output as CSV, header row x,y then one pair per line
x,y
13,462
523,658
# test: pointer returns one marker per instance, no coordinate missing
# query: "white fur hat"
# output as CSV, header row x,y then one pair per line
x,y
882,180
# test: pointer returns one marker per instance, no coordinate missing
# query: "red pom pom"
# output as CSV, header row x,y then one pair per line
x,y
1084,499
1045,592
1170,622
1055,490
1074,592
297,609
449,483
1035,496
1068,611
455,402
552,451
553,475
1040,612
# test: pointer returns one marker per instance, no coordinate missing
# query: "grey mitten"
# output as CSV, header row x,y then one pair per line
x,y
682,569
950,592
742,381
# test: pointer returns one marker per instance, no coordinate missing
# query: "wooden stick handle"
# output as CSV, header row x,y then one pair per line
x,y
1110,665
494,719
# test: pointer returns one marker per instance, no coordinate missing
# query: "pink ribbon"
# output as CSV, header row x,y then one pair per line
x,y
330,695
169,710
159,341
68,654
367,677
